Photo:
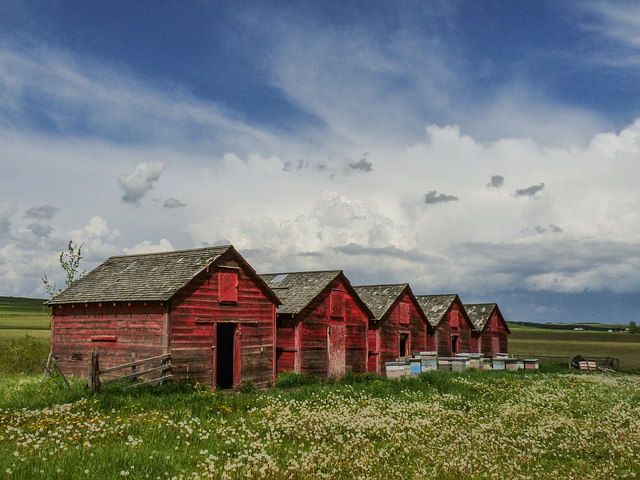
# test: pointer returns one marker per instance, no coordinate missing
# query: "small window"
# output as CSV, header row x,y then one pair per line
x,y
228,286
404,313
336,301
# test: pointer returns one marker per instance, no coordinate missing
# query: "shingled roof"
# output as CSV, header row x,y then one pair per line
x,y
435,306
297,289
380,298
149,276
479,314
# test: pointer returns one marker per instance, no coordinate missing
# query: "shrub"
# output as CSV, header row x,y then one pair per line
x,y
24,355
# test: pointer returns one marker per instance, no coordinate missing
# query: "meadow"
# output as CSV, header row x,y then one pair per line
x,y
23,316
531,342
442,425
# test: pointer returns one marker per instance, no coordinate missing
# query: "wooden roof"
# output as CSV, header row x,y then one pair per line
x,y
435,306
150,276
380,298
480,314
297,290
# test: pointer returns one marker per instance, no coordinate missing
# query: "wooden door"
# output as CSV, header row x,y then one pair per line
x,y
336,347
495,345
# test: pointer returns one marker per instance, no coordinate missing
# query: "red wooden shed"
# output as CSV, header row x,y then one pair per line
x,y
399,326
451,323
206,307
321,324
490,331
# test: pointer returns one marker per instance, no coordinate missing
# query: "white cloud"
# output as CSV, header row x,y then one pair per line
x,y
137,184
147,247
43,212
99,240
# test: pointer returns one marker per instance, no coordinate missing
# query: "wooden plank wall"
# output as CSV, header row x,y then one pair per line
x,y
390,327
445,330
115,330
312,335
196,311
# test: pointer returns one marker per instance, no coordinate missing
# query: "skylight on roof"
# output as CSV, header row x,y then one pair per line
x,y
278,278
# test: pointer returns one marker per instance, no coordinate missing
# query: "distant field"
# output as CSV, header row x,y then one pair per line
x,y
23,316
531,342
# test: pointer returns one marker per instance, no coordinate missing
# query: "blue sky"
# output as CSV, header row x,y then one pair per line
x,y
485,148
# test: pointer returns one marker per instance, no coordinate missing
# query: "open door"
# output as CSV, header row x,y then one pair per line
x,y
226,355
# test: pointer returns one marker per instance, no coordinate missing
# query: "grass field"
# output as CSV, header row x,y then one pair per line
x,y
442,425
23,316
530,342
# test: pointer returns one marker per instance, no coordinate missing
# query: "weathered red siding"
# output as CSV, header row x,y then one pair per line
x,y
306,345
392,326
196,312
115,330
494,328
449,328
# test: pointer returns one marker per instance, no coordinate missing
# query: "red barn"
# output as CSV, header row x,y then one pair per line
x,y
206,307
399,326
321,324
490,333
451,323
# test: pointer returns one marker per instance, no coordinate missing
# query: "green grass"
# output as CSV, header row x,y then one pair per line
x,y
23,316
530,342
15,306
442,425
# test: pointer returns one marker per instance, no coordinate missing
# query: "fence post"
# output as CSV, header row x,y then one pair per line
x,y
94,371
133,367
90,373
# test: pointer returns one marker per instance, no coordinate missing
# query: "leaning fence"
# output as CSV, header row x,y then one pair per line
x,y
150,375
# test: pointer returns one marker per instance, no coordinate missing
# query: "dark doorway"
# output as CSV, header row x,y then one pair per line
x,y
402,345
224,359
455,344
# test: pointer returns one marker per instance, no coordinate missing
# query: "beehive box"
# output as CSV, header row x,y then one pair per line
x,y
445,363
531,364
415,366
429,361
477,361
511,363
460,364
394,369
498,363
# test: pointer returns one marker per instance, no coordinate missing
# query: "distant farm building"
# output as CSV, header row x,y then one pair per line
x,y
321,324
398,328
206,307
450,321
491,333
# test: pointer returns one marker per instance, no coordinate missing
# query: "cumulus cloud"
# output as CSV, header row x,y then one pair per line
x,y
173,203
98,238
137,184
43,212
147,247
433,197
531,191
496,181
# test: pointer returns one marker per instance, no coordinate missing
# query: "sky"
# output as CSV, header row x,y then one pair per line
x,y
489,149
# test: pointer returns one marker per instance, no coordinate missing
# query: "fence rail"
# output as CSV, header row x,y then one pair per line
x,y
95,382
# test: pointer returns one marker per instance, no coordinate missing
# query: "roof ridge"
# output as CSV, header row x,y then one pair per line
x,y
165,252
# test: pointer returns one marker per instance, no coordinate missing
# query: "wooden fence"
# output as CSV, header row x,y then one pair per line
x,y
163,371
